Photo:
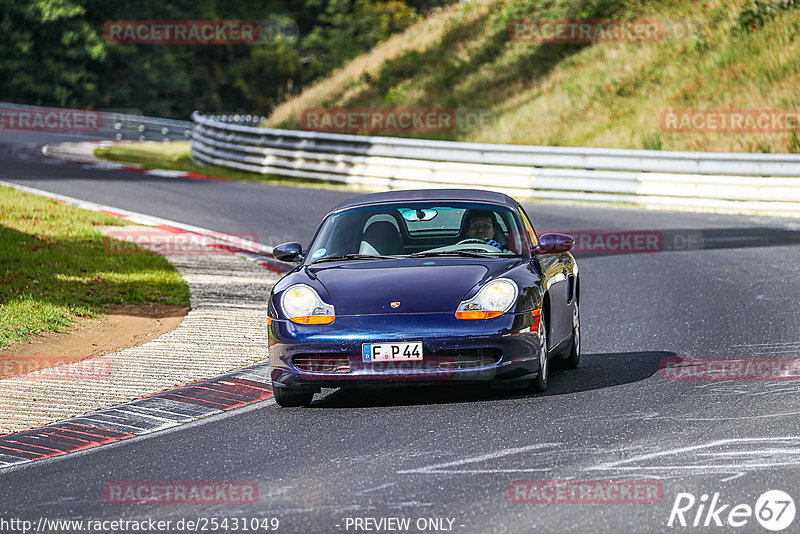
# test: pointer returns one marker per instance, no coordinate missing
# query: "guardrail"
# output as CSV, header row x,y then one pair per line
x,y
141,128
741,183
112,125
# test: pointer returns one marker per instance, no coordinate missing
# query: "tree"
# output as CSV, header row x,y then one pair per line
x,y
53,52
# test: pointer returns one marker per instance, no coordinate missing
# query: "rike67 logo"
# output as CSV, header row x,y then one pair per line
x,y
774,510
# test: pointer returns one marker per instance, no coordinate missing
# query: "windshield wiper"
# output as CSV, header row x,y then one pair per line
x,y
354,257
449,253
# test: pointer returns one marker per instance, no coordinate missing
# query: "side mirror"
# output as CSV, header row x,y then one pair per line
x,y
554,244
292,252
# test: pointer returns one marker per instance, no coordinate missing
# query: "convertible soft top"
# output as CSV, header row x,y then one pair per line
x,y
463,195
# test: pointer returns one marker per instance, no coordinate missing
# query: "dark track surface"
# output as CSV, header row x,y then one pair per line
x,y
452,452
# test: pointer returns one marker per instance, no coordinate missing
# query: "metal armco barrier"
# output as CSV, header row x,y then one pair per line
x,y
742,183
141,128
115,125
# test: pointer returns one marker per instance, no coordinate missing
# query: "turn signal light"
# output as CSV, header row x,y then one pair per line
x,y
537,316
313,319
479,314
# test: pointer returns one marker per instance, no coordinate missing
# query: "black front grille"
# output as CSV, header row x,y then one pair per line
x,y
449,360
321,363
445,360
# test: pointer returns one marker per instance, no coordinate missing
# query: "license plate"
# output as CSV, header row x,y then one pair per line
x,y
391,352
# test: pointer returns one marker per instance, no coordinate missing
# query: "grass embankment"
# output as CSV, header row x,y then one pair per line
x,y
177,156
56,267
717,55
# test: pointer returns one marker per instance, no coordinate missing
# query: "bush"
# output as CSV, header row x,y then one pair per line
x,y
758,12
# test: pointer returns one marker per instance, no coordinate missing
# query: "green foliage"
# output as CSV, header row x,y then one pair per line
x,y
351,27
584,94
395,71
758,12
794,135
46,47
483,46
652,141
53,52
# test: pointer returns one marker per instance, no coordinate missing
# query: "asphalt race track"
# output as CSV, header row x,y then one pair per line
x,y
715,287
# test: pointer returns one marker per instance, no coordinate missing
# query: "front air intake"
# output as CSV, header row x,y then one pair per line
x,y
321,363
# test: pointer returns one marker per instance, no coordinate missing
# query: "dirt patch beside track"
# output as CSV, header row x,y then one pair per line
x,y
125,326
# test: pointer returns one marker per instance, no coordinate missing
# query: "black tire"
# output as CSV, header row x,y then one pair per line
x,y
290,398
539,384
574,357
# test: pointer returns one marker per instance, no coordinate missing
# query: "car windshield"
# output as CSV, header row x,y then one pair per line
x,y
420,229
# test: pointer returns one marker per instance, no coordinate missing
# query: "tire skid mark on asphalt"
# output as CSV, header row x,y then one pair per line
x,y
345,508
370,491
755,453
140,417
733,458
754,388
768,348
445,467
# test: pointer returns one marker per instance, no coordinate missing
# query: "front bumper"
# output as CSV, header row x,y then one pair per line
x,y
502,349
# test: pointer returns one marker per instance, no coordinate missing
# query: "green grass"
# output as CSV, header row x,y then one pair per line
x,y
177,156
55,267
716,54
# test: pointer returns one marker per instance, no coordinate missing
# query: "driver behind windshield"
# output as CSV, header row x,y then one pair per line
x,y
480,225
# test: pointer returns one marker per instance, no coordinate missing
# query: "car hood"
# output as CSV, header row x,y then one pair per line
x,y
430,286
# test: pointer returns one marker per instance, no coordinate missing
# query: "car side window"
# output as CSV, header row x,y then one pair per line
x,y
528,226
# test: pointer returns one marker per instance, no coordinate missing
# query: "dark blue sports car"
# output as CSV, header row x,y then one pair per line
x,y
423,287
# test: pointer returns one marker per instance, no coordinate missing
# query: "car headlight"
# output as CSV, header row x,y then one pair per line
x,y
493,300
301,304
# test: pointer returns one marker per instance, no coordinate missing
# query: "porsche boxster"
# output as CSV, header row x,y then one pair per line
x,y
423,287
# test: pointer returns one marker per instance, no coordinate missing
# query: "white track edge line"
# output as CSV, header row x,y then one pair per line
x,y
141,218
